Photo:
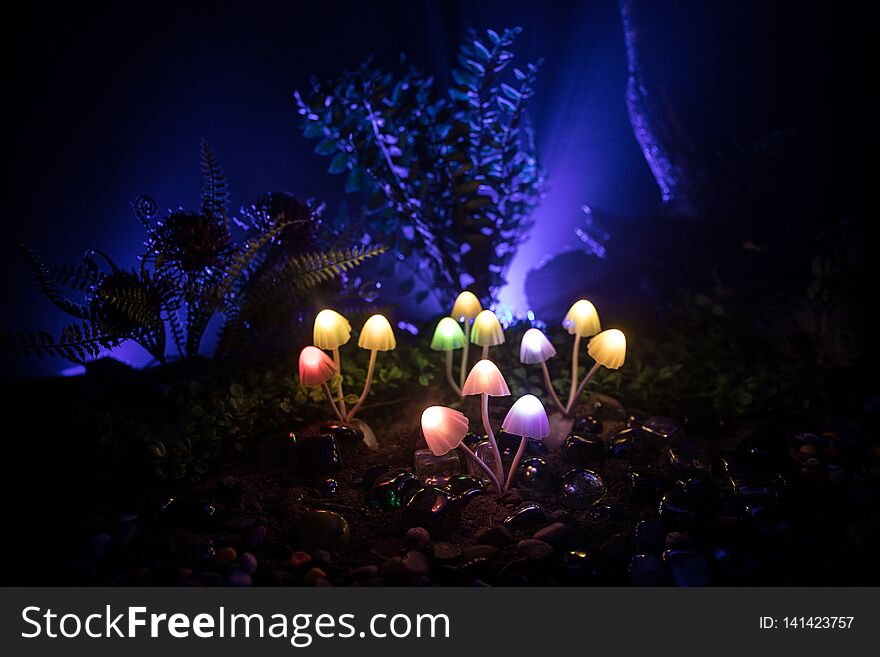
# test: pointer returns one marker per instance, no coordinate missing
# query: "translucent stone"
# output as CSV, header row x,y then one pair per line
x,y
688,456
661,426
581,489
436,470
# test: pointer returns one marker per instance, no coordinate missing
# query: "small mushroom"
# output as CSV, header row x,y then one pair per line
x,y
448,337
444,430
376,335
331,331
581,321
485,379
527,419
467,306
608,349
315,369
487,332
536,348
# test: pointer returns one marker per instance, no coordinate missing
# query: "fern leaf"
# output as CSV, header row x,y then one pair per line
x,y
311,269
45,283
74,276
78,342
215,191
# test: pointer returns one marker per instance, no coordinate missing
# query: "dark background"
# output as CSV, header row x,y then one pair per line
x,y
106,103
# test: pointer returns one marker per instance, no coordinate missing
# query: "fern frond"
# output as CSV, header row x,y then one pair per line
x,y
77,277
311,269
45,283
215,190
78,342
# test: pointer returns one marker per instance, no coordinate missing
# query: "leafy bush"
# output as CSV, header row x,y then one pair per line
x,y
450,179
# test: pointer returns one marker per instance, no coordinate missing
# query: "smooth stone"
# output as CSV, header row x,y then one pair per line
x,y
583,450
479,552
650,536
535,550
446,551
635,418
703,494
393,489
372,474
188,513
534,474
497,535
647,487
588,424
343,432
635,447
576,567
434,509
687,568
687,456
322,558
646,570
313,575
555,534
364,572
676,511
403,569
317,455
254,537
210,578
607,513
224,556
528,516
581,488
662,427
239,578
323,530
678,541
464,486
418,538
247,563
300,558
326,487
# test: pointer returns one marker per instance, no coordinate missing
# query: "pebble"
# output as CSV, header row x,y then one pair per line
x,y
534,474
300,558
678,541
323,530
535,550
479,552
446,551
224,556
418,538
313,575
392,489
239,578
365,572
662,427
403,569
687,568
555,534
247,563
587,424
581,488
650,535
583,450
343,432
526,517
322,558
646,570
317,455
464,486
434,509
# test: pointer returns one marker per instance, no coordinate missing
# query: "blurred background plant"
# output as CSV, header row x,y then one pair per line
x,y
450,180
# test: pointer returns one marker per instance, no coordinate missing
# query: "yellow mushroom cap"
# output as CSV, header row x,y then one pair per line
x,y
485,378
582,319
444,428
608,348
448,336
331,330
487,330
377,335
467,306
315,367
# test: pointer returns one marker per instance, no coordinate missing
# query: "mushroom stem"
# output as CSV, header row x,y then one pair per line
x,y
574,370
366,391
449,377
499,471
464,358
329,396
581,387
338,361
552,390
485,468
516,459
485,352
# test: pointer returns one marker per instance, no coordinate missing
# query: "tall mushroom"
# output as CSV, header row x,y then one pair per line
x,y
444,430
485,379
536,348
581,321
467,306
526,419
608,349
331,331
448,337
376,335
316,369
487,332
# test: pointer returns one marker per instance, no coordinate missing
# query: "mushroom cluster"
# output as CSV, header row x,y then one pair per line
x,y
331,331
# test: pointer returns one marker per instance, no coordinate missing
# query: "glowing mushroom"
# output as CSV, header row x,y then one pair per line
x,y
526,419
444,430
376,335
467,306
331,331
485,379
536,348
608,349
487,332
448,337
581,321
316,369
